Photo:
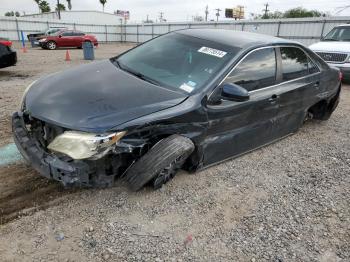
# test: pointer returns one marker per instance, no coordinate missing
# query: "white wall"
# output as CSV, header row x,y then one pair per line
x,y
306,31
94,17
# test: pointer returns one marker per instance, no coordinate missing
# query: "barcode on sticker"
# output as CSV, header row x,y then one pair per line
x,y
212,51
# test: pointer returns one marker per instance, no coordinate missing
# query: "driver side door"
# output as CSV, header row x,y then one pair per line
x,y
238,127
66,39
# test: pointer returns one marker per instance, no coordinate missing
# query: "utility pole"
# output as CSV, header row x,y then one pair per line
x,y
58,9
161,16
206,13
240,15
266,10
217,13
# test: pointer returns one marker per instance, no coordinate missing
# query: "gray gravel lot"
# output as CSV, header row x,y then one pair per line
x,y
285,202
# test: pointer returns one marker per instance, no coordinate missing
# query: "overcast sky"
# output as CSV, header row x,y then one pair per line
x,y
178,10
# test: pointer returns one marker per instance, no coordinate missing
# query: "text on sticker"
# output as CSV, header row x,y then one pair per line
x,y
212,51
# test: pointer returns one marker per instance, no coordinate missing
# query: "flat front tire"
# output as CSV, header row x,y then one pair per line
x,y
160,163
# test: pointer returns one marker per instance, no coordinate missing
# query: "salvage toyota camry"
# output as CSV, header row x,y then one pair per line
x,y
187,99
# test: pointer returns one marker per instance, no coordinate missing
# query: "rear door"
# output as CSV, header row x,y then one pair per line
x,y
78,38
300,84
237,127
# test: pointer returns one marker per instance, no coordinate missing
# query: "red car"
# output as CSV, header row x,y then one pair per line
x,y
66,38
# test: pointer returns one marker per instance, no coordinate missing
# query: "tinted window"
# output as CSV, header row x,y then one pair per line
x,y
256,71
68,33
77,33
294,63
178,62
312,67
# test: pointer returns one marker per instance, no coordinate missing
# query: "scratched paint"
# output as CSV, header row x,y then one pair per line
x,y
9,154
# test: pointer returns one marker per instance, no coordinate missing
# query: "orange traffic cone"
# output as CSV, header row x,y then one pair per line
x,y
67,55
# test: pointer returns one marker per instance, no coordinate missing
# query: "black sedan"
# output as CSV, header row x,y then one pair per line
x,y
187,99
8,57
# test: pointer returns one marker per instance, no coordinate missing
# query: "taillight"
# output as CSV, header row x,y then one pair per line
x,y
7,43
340,75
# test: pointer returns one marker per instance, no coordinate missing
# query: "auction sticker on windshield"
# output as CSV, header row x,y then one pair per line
x,y
212,51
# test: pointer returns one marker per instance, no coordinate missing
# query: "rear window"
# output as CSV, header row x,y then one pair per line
x,y
294,63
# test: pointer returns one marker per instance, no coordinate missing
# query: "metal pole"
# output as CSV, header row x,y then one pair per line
x,y
137,33
323,26
106,33
17,29
278,28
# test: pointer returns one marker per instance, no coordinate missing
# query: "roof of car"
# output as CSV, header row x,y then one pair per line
x,y
343,25
239,39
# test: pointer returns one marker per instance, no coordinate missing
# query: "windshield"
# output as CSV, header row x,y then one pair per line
x,y
176,61
338,34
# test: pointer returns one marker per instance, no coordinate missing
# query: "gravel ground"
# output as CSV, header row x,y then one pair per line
x,y
285,202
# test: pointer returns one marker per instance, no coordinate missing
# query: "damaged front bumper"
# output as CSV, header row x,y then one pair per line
x,y
96,173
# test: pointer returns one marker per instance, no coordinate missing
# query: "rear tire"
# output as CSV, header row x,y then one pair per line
x,y
160,163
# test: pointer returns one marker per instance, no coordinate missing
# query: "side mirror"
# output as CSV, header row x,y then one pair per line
x,y
233,92
59,36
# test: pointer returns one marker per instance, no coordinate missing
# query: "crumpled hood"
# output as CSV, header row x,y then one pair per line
x,y
96,97
331,46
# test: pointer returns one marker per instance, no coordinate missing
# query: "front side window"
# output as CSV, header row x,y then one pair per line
x,y
257,70
294,63
177,61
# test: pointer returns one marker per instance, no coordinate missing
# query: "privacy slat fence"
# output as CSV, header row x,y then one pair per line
x,y
306,31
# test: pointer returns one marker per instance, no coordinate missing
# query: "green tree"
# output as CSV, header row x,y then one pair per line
x,y
302,12
60,7
12,13
297,12
44,6
103,2
69,4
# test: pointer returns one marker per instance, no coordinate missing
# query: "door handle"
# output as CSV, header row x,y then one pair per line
x,y
316,84
273,98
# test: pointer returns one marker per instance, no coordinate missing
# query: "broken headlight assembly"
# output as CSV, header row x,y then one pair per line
x,y
81,145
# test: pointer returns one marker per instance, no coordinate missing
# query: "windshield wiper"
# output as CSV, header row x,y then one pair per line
x,y
137,74
330,39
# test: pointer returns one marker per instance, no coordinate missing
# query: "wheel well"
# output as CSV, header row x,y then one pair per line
x,y
318,110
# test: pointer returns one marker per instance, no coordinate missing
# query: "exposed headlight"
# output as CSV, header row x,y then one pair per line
x,y
24,95
42,40
81,145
